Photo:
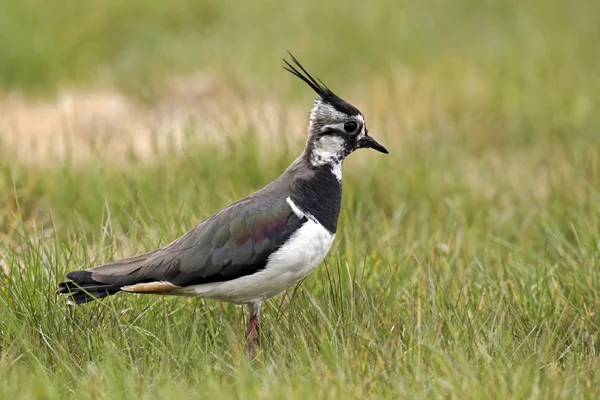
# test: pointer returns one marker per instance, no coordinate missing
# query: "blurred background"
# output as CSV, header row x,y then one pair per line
x,y
125,123
480,95
497,71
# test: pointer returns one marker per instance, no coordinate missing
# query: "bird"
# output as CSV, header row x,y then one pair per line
x,y
259,246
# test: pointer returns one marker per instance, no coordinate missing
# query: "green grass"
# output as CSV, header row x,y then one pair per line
x,y
134,44
467,262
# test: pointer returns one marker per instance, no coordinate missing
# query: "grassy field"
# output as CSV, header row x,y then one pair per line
x,y
467,262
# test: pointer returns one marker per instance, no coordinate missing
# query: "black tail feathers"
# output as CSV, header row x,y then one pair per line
x,y
82,288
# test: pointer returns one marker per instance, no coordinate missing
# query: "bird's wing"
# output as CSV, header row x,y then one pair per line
x,y
235,242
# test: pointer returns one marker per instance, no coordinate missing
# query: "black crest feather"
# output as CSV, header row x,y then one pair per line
x,y
319,87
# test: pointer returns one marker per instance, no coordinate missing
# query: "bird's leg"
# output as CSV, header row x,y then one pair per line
x,y
252,333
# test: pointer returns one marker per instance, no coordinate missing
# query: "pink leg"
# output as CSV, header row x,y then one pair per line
x,y
252,333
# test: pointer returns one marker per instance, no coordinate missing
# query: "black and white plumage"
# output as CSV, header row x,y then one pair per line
x,y
261,245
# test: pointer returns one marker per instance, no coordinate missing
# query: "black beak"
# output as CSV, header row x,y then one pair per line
x,y
369,142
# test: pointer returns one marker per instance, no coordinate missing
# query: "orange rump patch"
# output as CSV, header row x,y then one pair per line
x,y
151,287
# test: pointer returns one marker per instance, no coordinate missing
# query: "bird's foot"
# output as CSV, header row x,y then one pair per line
x,y
252,337
252,333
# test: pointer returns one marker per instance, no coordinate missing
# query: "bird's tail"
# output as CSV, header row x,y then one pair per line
x,y
82,288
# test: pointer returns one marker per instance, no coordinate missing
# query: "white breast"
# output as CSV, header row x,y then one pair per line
x,y
292,262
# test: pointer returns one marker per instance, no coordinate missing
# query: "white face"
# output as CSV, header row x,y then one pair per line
x,y
334,135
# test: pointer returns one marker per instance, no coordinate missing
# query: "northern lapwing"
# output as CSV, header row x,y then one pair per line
x,y
261,245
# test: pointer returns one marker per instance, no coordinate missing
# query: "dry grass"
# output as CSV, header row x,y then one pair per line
x,y
83,125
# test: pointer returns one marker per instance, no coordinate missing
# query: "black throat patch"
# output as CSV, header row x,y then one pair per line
x,y
319,195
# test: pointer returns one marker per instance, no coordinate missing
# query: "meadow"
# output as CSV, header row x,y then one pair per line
x,y
467,261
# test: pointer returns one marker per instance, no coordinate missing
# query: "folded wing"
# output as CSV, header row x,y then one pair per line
x,y
235,242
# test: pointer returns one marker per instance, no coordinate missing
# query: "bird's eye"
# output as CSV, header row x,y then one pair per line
x,y
350,126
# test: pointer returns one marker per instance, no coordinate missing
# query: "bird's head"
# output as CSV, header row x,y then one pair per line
x,y
336,128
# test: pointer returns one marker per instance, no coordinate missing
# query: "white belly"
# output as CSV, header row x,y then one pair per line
x,y
301,254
